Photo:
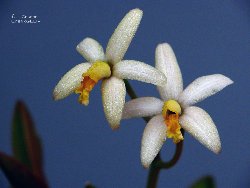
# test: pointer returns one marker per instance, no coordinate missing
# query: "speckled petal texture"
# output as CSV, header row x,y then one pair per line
x,y
91,50
142,107
200,125
70,81
202,88
113,98
136,70
154,136
166,62
122,36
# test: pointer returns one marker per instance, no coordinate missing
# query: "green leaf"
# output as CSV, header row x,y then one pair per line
x,y
204,182
25,141
18,174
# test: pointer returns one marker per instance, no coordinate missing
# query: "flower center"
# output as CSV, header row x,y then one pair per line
x,y
96,72
170,112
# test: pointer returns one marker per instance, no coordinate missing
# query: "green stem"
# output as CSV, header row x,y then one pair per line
x,y
154,172
133,95
175,158
130,90
157,164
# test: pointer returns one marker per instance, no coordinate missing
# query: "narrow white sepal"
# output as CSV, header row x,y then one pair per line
x,y
122,36
201,126
136,70
113,98
154,136
142,107
91,50
70,81
166,62
202,88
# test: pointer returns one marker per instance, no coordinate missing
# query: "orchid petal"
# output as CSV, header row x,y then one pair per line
x,y
154,136
202,88
142,107
91,50
166,62
122,36
113,97
136,70
70,81
201,126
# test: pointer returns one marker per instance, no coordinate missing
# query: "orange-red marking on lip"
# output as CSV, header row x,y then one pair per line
x,y
173,128
170,112
96,72
87,84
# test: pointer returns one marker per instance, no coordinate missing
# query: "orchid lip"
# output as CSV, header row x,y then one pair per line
x,y
96,72
170,112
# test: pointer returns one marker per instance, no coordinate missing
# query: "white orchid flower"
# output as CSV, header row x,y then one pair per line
x,y
175,110
110,68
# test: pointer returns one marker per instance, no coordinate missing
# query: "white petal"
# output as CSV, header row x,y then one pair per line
x,y
91,50
142,107
70,81
200,125
154,136
122,36
166,62
136,70
202,88
113,98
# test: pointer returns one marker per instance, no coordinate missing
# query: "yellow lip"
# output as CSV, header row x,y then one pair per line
x,y
170,112
96,72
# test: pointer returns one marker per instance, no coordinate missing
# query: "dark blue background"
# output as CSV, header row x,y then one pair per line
x,y
208,37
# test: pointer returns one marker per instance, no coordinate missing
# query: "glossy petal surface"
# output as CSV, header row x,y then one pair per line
x,y
70,81
200,125
91,50
154,136
122,36
136,70
166,62
142,107
202,88
113,98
